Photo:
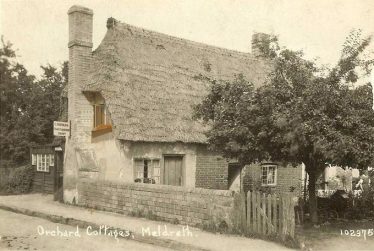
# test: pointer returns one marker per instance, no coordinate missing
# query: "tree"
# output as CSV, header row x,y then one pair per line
x,y
47,107
27,106
16,87
304,113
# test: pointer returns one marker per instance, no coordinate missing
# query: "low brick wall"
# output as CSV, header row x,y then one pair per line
x,y
193,206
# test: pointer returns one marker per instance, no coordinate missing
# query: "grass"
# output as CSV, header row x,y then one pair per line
x,y
332,235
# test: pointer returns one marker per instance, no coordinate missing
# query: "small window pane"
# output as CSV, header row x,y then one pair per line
x,y
99,115
33,159
51,160
39,162
268,175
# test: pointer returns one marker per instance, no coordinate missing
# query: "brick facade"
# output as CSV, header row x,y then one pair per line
x,y
192,206
80,111
211,172
289,179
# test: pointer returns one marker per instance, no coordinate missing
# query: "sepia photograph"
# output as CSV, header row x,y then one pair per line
x,y
186,125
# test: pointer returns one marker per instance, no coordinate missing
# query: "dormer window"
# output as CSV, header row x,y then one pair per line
x,y
101,119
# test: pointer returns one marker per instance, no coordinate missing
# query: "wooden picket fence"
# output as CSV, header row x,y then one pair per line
x,y
266,214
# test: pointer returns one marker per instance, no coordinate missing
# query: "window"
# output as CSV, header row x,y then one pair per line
x,y
44,161
99,115
33,159
147,171
156,171
269,175
51,160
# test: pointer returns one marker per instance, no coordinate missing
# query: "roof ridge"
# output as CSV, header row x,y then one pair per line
x,y
155,34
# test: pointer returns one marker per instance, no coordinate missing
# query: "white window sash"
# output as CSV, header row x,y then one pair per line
x,y
269,175
154,169
51,160
33,159
42,162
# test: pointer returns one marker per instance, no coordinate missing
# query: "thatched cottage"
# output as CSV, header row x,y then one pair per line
x,y
130,105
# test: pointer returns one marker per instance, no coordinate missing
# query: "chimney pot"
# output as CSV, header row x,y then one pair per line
x,y
111,22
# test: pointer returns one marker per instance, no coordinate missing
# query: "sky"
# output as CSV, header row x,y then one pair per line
x,y
38,29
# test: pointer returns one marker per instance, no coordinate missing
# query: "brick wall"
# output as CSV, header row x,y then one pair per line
x,y
211,172
192,206
80,111
289,179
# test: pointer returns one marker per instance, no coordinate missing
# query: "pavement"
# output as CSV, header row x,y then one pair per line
x,y
161,234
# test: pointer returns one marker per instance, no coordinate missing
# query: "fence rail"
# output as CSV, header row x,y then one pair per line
x,y
266,214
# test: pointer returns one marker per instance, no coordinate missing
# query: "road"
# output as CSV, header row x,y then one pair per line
x,y
21,232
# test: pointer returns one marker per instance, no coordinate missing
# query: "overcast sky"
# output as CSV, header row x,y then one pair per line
x,y
38,28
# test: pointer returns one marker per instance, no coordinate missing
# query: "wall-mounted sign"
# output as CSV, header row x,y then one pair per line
x,y
61,128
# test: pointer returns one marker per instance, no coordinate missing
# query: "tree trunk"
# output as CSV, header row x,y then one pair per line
x,y
313,208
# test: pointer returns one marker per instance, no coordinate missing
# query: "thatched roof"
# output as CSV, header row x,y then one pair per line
x,y
151,81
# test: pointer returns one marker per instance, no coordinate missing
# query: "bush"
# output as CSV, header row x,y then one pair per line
x,y
362,206
19,180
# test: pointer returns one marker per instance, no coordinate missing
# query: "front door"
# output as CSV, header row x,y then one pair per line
x,y
173,170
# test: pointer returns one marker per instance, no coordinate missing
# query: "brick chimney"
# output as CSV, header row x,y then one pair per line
x,y
80,52
257,39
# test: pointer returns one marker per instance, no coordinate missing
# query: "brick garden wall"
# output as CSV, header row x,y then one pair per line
x,y
192,206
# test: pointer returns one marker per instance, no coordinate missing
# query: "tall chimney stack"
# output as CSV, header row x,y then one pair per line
x,y
80,53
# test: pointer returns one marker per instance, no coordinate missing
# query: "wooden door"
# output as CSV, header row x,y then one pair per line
x,y
173,170
58,176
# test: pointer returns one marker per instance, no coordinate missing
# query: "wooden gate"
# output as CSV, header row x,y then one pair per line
x,y
271,215
265,214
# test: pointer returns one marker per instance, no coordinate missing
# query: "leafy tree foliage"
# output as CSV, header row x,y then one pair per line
x,y
303,114
28,106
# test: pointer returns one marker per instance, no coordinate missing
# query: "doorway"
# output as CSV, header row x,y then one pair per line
x,y
59,175
173,170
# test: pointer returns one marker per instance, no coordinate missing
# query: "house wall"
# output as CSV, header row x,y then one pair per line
x,y
289,179
43,182
211,170
155,150
191,206
112,160
335,177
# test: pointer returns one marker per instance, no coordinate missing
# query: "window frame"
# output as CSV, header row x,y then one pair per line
x,y
150,169
265,177
44,161
103,113
33,159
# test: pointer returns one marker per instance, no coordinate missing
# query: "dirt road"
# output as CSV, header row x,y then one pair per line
x,y
20,232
